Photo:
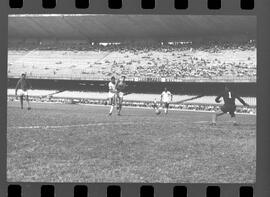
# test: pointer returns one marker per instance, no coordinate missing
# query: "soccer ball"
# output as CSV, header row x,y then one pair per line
x,y
158,111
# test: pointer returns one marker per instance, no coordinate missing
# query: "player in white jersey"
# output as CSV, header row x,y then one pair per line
x,y
112,94
166,98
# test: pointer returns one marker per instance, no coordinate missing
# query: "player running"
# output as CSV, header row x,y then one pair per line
x,y
23,85
166,98
121,85
112,94
229,105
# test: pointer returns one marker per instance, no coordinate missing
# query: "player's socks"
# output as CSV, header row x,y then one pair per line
x,y
234,121
21,101
28,105
214,119
111,110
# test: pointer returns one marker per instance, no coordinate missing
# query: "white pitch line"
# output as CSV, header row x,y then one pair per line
x,y
70,126
199,122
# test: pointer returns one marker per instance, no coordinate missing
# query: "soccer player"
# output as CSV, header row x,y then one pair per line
x,y
229,105
155,104
166,98
121,85
23,85
156,107
112,94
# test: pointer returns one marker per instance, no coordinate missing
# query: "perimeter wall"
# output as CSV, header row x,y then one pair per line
x,y
247,89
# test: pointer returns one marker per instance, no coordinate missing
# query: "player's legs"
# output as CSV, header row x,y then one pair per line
x,y
21,101
120,101
232,113
21,94
166,107
117,102
27,101
234,120
218,113
112,101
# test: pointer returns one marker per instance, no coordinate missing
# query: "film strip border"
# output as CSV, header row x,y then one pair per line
x,y
147,190
142,190
145,4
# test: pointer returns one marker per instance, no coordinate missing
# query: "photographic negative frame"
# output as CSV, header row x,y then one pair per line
x,y
133,7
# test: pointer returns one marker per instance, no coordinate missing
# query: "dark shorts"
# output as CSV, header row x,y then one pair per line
x,y
229,108
166,105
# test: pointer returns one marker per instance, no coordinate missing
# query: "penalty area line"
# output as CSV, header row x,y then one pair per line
x,y
207,121
71,126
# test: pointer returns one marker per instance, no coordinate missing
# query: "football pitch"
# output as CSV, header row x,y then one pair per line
x,y
81,143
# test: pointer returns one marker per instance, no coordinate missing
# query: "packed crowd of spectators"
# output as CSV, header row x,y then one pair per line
x,y
139,60
145,104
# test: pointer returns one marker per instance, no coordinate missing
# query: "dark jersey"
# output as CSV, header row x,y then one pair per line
x,y
121,86
229,98
23,84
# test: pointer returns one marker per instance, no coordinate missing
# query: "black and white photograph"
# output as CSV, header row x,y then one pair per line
x,y
131,98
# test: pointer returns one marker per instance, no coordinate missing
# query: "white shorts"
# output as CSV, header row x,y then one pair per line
x,y
22,92
121,94
166,101
111,95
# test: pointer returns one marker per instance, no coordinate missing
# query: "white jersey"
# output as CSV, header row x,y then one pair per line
x,y
166,96
112,89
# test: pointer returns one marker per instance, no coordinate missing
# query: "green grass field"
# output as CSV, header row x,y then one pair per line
x,y
80,143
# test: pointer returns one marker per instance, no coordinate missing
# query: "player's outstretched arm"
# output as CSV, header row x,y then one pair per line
x,y
242,101
217,99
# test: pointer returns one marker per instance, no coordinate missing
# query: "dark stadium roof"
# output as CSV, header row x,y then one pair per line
x,y
126,27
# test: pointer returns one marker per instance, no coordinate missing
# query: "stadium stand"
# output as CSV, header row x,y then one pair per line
x,y
210,61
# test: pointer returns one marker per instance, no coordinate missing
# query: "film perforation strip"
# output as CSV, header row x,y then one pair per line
x,y
115,191
80,191
145,4
213,191
48,4
148,4
146,190
16,3
82,4
247,4
181,4
47,191
214,4
180,191
115,4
